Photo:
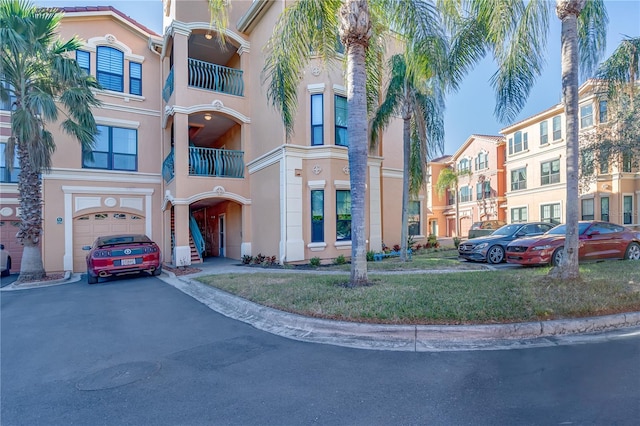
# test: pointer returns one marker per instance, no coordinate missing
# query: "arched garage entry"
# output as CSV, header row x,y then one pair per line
x,y
88,227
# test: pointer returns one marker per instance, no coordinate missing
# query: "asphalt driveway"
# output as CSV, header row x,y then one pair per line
x,y
136,351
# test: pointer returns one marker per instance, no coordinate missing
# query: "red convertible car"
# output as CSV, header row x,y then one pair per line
x,y
122,254
597,240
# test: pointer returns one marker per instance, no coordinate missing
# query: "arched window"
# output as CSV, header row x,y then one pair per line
x,y
110,68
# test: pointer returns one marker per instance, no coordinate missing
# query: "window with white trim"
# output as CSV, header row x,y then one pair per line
x,y
550,172
317,216
135,78
110,68
557,127
115,148
627,209
340,113
544,132
519,179
586,116
587,209
413,216
519,214
343,215
465,194
550,213
317,119
604,209
603,111
519,142
83,58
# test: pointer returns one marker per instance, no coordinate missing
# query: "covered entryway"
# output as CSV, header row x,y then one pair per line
x,y
87,228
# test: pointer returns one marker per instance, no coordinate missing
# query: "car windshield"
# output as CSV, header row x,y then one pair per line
x,y
562,229
507,230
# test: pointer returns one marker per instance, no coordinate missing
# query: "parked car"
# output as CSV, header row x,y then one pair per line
x,y
597,240
5,262
491,248
122,254
478,229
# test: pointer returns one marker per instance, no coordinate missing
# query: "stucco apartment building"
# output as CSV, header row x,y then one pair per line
x,y
479,164
536,173
191,153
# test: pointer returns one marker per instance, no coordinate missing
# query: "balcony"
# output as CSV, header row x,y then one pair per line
x,y
210,162
218,78
167,91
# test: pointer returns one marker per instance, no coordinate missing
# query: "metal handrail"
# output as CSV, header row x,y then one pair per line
x,y
218,78
167,91
216,162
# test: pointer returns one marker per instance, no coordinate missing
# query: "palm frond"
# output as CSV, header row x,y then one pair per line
x,y
592,35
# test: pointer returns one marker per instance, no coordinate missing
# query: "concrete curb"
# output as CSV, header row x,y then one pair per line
x,y
414,338
69,277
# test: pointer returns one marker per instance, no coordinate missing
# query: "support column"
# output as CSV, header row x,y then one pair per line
x,y
375,208
245,246
181,251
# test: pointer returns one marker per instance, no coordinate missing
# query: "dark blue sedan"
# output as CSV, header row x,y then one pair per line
x,y
490,248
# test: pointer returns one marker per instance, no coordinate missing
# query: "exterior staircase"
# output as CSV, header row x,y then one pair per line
x,y
195,256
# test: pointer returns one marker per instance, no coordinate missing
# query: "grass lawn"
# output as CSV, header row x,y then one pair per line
x,y
466,297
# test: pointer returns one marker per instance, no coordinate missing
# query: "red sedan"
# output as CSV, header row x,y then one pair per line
x,y
122,254
597,240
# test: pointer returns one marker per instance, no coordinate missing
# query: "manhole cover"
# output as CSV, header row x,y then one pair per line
x,y
118,375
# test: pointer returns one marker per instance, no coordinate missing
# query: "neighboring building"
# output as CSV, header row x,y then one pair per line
x,y
191,153
439,205
479,163
536,169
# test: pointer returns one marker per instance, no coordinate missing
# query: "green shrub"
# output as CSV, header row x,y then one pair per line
x,y
370,256
456,241
315,262
340,260
246,259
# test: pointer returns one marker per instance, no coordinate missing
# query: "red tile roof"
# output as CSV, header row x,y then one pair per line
x,y
100,9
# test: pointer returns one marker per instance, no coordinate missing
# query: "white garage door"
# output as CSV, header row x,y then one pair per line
x,y
89,227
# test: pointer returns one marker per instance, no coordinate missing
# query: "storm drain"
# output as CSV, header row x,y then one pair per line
x,y
118,375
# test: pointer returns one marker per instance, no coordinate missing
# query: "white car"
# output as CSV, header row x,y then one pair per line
x,y
5,262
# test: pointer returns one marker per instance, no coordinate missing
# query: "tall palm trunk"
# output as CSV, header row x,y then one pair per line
x,y
406,154
29,188
355,31
568,11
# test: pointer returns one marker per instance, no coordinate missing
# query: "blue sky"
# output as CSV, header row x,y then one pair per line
x,y
470,110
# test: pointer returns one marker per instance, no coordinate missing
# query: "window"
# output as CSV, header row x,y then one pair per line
x,y
115,149
451,197
550,172
604,209
627,209
7,104
414,217
482,161
587,209
586,162
478,191
519,142
135,78
626,162
317,117
603,111
487,189
110,68
586,116
317,216
5,175
341,120
544,132
465,194
464,165
603,158
550,213
84,60
343,215
519,179
519,214
557,128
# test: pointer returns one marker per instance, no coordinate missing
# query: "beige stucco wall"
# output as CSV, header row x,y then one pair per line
x,y
266,223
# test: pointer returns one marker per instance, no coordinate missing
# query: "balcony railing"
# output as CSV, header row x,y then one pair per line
x,y
168,167
216,162
167,91
214,77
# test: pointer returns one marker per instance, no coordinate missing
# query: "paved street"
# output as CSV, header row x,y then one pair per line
x,y
137,351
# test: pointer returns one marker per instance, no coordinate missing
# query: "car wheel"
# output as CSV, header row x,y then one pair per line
x,y
633,252
557,256
91,279
157,271
495,254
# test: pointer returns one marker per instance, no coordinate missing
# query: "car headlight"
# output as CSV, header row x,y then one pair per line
x,y
544,247
480,246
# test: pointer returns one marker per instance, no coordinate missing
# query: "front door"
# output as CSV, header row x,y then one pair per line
x,y
221,231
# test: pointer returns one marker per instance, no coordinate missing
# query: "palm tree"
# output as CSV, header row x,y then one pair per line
x,y
515,31
37,72
420,103
448,180
318,24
